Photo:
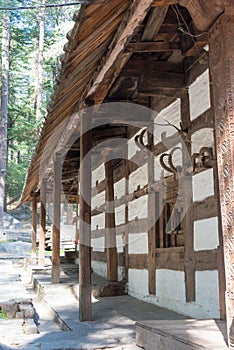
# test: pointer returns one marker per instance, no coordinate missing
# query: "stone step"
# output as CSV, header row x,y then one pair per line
x,y
185,334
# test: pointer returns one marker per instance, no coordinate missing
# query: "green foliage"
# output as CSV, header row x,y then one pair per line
x,y
22,125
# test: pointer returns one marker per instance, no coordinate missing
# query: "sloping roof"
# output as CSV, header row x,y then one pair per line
x,y
95,25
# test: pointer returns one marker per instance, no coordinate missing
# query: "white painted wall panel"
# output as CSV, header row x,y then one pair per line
x,y
138,282
138,208
119,188
119,243
98,244
138,243
207,293
98,220
98,174
206,235
199,95
100,268
203,185
202,138
120,215
98,200
138,178
170,287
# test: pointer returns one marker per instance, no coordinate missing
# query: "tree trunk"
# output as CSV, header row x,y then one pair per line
x,y
39,62
4,111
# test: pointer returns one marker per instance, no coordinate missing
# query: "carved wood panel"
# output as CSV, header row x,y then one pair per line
x,y
222,72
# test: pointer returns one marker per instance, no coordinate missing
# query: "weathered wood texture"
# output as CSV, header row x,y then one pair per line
x,y
222,72
85,305
41,257
34,226
110,242
55,272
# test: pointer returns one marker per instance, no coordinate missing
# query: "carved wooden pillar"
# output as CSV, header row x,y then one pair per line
x,y
85,305
111,249
222,73
55,277
34,225
41,259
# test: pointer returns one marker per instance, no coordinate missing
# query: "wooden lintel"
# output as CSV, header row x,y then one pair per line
x,y
153,46
116,59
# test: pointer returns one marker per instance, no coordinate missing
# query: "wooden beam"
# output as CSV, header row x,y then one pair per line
x,y
203,13
153,25
110,242
85,304
55,272
41,258
153,46
34,226
115,58
133,66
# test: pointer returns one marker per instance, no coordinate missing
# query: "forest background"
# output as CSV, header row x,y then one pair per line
x,y
32,34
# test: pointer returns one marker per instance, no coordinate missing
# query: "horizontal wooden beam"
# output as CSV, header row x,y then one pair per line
x,y
134,67
153,46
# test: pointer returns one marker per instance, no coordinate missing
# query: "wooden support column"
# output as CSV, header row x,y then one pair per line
x,y
222,73
126,233
55,276
151,215
41,259
111,249
34,225
187,222
85,305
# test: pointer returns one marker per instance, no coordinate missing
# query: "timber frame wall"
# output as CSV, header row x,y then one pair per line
x,y
110,68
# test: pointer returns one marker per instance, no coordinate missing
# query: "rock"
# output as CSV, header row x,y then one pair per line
x,y
19,315
10,308
29,326
27,310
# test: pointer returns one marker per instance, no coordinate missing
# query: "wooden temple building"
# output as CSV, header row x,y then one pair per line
x,y
140,133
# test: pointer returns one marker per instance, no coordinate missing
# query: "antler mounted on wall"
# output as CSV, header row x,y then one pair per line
x,y
170,167
139,140
203,159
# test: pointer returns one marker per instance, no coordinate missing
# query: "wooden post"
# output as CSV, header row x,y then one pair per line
x,y
42,223
187,222
55,276
34,226
151,216
111,249
222,73
85,305
126,233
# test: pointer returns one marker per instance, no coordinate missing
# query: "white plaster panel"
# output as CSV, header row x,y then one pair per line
x,y
138,178
132,147
203,185
120,215
98,174
199,95
119,188
138,282
202,138
158,171
170,286
138,208
119,243
98,220
98,200
207,293
170,292
171,114
206,235
98,244
100,268
138,243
